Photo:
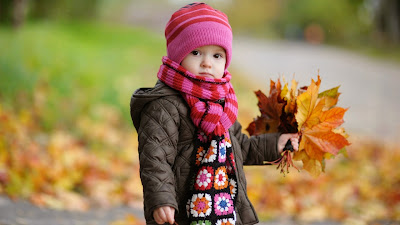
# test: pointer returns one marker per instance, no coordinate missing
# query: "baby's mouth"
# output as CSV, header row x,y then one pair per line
x,y
206,75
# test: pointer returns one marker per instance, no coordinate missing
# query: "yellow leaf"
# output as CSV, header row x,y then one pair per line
x,y
285,92
291,98
300,155
313,166
306,103
293,88
314,117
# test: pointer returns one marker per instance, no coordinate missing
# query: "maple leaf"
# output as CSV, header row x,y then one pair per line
x,y
270,106
288,123
305,111
331,97
313,166
318,142
316,125
275,88
271,110
331,119
305,105
290,96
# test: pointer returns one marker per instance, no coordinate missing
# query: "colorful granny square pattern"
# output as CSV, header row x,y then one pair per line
x,y
201,205
221,178
223,204
204,178
213,186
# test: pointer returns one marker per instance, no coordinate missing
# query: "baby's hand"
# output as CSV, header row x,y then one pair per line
x,y
164,214
294,139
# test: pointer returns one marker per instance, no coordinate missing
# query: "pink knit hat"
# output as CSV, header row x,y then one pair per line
x,y
196,25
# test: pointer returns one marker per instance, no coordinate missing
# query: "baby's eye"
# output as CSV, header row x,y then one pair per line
x,y
195,52
218,56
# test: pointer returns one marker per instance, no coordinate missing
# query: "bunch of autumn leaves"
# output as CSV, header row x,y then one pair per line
x,y
313,115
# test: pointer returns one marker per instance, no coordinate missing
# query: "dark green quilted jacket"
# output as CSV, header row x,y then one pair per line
x,y
166,144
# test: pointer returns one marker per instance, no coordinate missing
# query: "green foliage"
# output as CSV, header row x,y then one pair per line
x,y
76,66
62,9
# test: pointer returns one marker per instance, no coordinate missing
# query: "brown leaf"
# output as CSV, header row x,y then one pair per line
x,y
271,111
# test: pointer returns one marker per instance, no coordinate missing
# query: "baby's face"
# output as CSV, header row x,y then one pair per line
x,y
207,61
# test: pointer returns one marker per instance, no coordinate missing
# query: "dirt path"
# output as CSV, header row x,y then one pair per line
x,y
24,213
370,87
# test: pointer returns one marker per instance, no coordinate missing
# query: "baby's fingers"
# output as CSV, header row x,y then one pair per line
x,y
159,216
295,143
170,212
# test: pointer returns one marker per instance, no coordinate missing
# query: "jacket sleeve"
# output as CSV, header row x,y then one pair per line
x,y
158,138
256,149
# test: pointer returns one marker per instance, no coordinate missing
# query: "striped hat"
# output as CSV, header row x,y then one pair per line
x,y
196,25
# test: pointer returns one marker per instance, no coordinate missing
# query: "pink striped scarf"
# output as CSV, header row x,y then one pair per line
x,y
201,93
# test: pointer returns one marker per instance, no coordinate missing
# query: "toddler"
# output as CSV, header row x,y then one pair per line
x,y
191,146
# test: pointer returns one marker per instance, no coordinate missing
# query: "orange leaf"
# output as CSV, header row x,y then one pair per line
x,y
311,149
331,119
323,141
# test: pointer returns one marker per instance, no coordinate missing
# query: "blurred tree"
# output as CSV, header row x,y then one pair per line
x,y
5,11
388,19
43,8
19,12
13,12
63,9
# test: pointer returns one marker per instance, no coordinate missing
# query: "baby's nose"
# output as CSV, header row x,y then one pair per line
x,y
206,62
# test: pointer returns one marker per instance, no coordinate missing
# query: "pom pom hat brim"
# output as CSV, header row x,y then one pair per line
x,y
196,25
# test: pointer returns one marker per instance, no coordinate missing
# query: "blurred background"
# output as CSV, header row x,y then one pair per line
x,y
68,69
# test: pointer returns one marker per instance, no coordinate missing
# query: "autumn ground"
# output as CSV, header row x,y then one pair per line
x,y
67,143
